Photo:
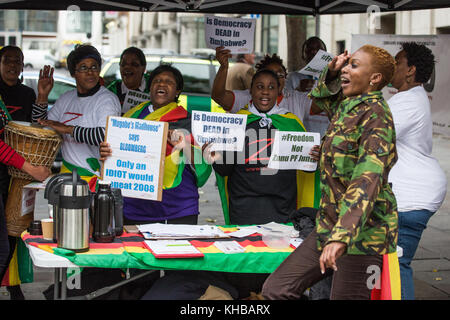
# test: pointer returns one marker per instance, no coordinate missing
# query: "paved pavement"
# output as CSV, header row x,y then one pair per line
x,y
431,263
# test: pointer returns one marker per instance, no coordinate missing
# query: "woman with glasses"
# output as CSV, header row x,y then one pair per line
x,y
78,115
232,101
132,71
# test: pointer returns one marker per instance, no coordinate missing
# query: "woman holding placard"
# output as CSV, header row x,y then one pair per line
x,y
133,77
182,175
244,179
356,226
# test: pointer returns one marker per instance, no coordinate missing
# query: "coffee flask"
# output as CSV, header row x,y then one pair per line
x,y
107,213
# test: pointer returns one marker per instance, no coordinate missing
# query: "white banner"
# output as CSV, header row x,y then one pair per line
x,y
291,150
437,87
234,34
137,162
225,131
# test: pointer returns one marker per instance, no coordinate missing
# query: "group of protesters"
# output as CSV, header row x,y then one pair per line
x,y
371,192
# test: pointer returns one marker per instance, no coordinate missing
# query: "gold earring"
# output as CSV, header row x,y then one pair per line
x,y
371,84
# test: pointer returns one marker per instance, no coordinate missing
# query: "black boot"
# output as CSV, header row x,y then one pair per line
x,y
15,292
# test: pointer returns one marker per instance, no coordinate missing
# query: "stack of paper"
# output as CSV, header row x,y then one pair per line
x,y
180,231
173,249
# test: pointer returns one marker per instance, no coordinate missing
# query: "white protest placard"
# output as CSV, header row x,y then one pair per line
x,y
28,200
138,152
235,34
225,131
315,67
134,98
291,150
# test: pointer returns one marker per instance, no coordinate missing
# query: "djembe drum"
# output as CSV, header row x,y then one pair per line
x,y
39,146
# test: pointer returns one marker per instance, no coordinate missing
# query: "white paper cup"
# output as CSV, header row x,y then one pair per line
x,y
47,229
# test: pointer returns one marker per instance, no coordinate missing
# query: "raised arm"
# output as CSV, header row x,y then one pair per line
x,y
219,94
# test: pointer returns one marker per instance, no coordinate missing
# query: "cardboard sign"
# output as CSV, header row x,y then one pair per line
x,y
291,150
315,67
225,131
134,98
137,162
234,34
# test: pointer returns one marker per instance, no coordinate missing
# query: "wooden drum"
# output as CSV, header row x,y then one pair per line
x,y
39,146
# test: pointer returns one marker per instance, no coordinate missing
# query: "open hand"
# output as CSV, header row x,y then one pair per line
x,y
45,83
330,254
59,127
39,173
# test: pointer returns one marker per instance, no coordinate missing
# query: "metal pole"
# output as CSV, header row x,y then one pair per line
x,y
317,18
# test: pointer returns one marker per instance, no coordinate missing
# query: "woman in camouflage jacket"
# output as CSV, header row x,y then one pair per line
x,y
357,219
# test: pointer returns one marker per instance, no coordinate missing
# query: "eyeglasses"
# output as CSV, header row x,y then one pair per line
x,y
84,69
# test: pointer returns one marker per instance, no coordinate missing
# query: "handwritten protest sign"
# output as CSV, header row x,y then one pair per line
x,y
291,150
134,98
137,162
315,67
225,131
234,34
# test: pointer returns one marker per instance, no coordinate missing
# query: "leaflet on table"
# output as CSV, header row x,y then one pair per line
x,y
295,242
291,149
229,247
224,131
173,249
315,67
173,231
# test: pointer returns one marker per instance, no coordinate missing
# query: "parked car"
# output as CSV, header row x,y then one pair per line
x,y
198,75
62,83
37,59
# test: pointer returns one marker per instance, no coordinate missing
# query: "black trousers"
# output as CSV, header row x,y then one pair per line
x,y
301,269
4,242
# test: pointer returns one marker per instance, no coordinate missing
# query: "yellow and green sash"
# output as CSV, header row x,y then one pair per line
x,y
308,183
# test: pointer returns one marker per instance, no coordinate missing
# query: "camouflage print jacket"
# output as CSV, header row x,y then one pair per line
x,y
357,204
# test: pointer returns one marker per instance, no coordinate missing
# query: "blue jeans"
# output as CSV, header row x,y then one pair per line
x,y
411,225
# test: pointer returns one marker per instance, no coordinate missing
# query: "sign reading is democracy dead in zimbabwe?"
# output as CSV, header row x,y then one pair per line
x,y
137,162
225,131
291,150
234,34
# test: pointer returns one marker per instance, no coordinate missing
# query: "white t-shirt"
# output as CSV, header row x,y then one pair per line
x,y
88,112
295,102
417,179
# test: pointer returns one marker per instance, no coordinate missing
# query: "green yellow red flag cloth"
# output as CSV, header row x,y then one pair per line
x,y
389,286
130,251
